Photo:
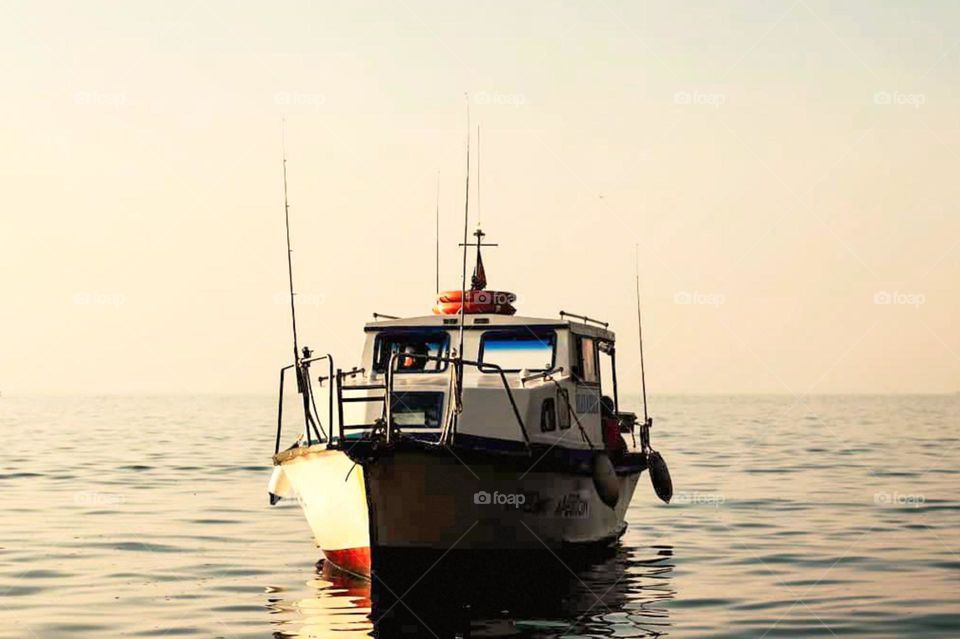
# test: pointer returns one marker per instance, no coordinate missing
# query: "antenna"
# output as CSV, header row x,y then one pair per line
x,y
437,233
479,215
286,213
457,380
466,220
643,377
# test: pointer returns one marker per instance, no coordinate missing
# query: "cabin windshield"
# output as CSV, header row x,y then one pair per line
x,y
518,349
416,409
411,344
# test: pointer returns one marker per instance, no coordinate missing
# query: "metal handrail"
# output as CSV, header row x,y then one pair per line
x,y
276,448
341,387
303,365
459,362
530,378
585,319
306,363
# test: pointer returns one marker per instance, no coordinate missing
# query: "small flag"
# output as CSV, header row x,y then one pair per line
x,y
479,280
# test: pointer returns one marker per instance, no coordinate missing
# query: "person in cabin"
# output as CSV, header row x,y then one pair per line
x,y
414,364
610,425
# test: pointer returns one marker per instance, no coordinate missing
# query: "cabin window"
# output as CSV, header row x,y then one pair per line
x,y
412,345
586,367
417,410
516,350
563,409
548,415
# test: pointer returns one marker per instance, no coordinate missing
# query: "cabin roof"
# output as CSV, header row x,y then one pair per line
x,y
483,321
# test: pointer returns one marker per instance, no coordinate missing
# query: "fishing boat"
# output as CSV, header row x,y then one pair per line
x,y
487,430
470,427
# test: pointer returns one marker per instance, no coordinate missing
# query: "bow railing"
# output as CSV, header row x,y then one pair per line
x,y
311,416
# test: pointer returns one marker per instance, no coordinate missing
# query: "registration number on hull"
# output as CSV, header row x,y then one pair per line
x,y
572,506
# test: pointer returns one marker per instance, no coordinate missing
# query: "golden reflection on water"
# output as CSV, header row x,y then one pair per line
x,y
623,591
338,603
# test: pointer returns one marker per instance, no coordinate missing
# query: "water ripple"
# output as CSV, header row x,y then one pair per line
x,y
842,531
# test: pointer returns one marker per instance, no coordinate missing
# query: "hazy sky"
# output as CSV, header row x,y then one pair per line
x,y
789,170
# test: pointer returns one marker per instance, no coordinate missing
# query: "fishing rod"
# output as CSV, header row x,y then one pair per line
x,y
301,364
657,467
643,376
286,215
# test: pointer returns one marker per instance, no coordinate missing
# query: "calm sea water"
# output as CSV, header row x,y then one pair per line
x,y
822,517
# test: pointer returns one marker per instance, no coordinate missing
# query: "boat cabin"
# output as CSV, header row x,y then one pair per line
x,y
525,380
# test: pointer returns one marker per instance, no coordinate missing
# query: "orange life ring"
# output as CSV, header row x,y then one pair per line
x,y
453,308
498,302
479,297
449,296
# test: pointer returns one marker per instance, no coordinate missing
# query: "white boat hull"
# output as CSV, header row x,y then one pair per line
x,y
330,489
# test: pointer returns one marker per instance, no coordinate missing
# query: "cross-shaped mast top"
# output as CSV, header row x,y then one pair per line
x,y
479,234
479,279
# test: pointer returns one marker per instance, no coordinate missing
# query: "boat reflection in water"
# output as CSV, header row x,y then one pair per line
x,y
621,592
339,605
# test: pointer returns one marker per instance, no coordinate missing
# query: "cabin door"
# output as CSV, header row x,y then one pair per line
x,y
586,374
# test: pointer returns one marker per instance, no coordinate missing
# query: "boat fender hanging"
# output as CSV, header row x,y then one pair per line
x,y
656,466
279,486
605,479
660,476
